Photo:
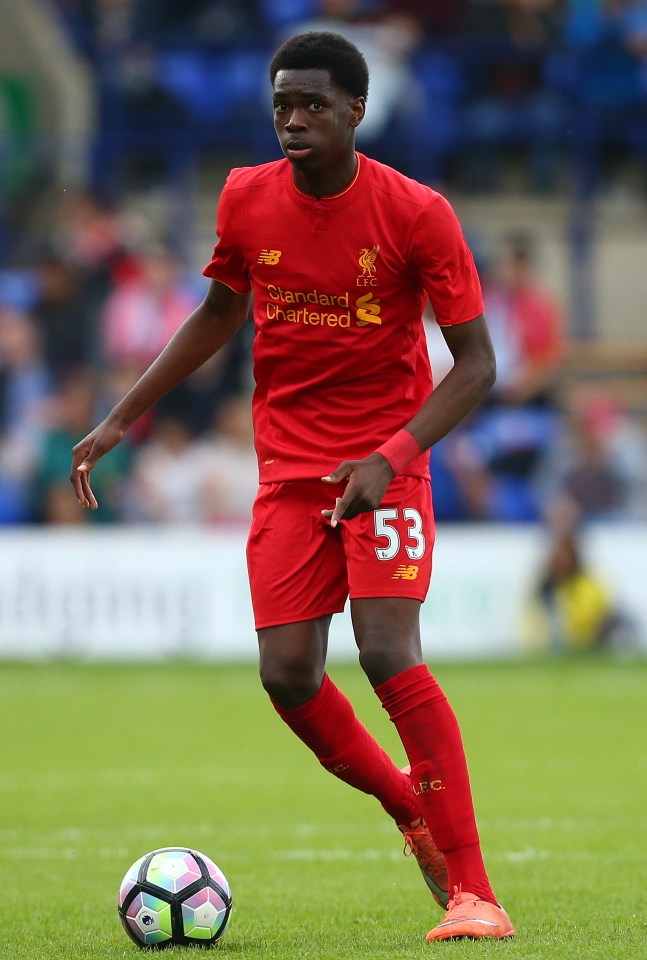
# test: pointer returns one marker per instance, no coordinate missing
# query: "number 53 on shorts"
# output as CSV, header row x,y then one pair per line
x,y
385,526
300,568
389,552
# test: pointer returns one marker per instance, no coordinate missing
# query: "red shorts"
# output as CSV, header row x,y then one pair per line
x,y
301,568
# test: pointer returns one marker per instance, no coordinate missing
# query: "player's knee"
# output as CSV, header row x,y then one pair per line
x,y
376,663
387,632
289,685
384,658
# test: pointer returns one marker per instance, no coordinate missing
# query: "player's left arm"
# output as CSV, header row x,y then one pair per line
x,y
466,384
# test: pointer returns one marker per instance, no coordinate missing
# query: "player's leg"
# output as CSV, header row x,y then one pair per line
x,y
387,631
297,572
388,638
292,667
389,562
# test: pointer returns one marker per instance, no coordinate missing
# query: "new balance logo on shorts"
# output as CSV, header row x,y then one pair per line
x,y
405,573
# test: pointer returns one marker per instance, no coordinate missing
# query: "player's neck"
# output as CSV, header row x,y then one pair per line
x,y
329,183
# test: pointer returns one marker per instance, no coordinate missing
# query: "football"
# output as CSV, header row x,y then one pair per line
x,y
173,896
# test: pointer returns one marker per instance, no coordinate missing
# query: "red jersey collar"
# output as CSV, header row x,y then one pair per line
x,y
332,198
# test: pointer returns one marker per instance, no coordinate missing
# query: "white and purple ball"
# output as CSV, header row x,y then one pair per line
x,y
174,895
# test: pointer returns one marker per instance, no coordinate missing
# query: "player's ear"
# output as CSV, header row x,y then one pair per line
x,y
357,108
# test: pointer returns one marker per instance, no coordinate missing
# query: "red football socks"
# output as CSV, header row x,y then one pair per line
x,y
432,739
328,725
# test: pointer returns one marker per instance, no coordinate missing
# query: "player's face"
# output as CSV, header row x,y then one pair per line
x,y
314,120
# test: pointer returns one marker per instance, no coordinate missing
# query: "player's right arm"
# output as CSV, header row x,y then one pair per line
x,y
203,333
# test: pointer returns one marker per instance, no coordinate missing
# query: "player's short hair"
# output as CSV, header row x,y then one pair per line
x,y
322,50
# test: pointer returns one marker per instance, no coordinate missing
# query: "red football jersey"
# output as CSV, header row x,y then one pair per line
x,y
340,284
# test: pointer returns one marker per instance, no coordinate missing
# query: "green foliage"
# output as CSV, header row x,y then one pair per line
x,y
102,763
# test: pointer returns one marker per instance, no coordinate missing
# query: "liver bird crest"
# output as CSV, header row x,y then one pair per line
x,y
367,260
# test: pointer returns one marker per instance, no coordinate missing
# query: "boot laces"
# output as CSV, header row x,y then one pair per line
x,y
411,834
457,898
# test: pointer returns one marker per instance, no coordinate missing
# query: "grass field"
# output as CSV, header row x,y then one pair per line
x,y
103,763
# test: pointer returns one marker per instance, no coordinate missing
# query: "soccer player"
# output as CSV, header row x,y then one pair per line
x,y
340,253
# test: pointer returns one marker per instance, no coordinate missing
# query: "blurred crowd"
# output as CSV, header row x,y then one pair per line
x,y
538,444
455,83
76,330
98,304
94,295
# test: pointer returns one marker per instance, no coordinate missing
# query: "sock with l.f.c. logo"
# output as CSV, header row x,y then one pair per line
x,y
432,739
327,724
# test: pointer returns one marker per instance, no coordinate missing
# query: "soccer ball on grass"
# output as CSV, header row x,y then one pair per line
x,y
174,895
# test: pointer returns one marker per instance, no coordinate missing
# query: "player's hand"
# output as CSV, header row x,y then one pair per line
x,y
368,480
85,455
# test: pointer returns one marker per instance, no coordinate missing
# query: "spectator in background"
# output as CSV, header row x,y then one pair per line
x,y
611,80
168,482
437,18
602,30
88,232
596,467
142,313
572,607
197,400
112,380
634,36
68,412
230,477
535,21
211,478
92,239
508,103
25,384
634,32
494,456
61,315
170,22
527,326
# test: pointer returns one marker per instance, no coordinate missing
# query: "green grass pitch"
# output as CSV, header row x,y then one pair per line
x,y
101,763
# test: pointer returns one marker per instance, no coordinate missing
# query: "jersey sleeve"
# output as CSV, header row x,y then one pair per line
x,y
228,263
443,260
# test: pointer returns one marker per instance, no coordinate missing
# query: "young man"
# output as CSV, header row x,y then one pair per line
x,y
340,253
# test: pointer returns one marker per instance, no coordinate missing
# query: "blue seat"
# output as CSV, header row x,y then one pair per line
x,y
213,85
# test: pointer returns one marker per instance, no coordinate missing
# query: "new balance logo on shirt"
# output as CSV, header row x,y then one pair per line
x,y
270,257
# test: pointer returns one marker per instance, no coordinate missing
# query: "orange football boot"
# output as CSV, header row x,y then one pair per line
x,y
469,918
